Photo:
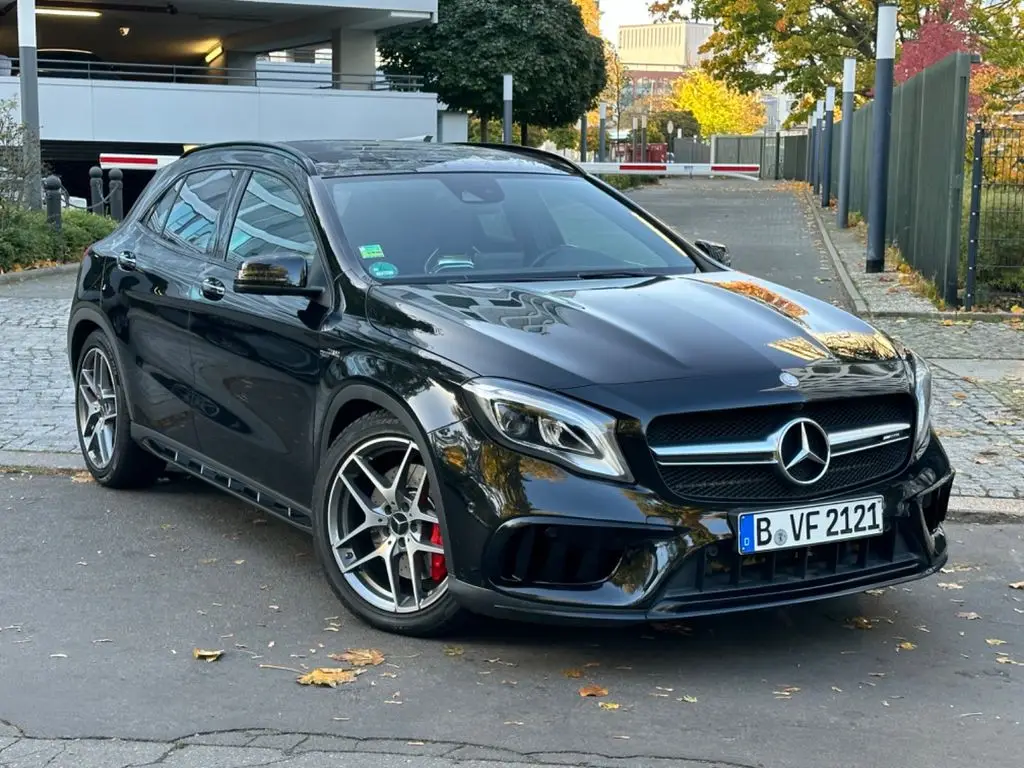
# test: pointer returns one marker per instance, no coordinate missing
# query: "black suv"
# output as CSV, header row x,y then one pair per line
x,y
488,382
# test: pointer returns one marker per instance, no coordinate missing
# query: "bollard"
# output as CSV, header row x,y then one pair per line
x,y
52,192
117,194
96,189
974,223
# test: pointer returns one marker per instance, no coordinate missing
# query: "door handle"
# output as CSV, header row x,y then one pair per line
x,y
213,288
126,261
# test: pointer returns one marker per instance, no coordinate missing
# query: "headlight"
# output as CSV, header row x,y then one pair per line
x,y
923,396
551,426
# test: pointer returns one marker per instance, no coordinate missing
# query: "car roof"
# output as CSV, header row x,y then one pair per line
x,y
333,158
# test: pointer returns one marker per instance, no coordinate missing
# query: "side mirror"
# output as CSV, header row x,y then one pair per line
x,y
716,251
284,275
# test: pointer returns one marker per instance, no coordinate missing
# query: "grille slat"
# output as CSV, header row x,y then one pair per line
x,y
763,482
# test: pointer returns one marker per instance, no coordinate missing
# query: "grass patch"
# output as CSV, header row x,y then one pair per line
x,y
910,278
27,241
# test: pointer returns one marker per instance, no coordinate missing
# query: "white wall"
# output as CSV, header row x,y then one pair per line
x,y
97,110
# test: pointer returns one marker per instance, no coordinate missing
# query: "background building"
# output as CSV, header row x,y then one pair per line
x,y
654,55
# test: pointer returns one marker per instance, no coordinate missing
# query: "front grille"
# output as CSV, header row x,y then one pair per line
x,y
752,423
734,482
559,555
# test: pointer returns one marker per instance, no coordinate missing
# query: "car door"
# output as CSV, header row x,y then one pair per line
x,y
150,283
256,357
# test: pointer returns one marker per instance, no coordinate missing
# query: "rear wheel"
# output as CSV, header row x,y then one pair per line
x,y
377,530
104,428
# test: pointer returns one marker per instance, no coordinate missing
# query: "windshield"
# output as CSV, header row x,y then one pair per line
x,y
477,226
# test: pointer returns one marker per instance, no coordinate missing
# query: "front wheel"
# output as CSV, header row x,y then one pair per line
x,y
377,530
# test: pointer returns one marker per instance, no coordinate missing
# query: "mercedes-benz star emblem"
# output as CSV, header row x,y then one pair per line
x,y
789,379
803,452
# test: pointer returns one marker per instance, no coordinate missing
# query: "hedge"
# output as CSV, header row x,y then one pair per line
x,y
628,181
27,240
1000,266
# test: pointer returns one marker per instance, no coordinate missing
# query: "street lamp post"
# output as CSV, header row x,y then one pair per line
x,y
643,138
633,134
29,79
668,134
602,113
846,142
826,171
878,187
507,120
819,150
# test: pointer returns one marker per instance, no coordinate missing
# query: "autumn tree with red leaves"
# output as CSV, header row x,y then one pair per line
x,y
946,29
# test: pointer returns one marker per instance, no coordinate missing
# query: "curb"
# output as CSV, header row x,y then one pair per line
x,y
32,274
861,306
983,510
38,460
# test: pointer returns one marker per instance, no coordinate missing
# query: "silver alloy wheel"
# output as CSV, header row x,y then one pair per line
x,y
380,521
97,407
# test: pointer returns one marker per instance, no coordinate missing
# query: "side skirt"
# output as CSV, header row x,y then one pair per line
x,y
197,465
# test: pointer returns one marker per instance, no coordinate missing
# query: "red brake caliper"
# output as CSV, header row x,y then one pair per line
x,y
438,570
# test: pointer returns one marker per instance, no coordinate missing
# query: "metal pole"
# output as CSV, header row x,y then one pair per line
x,y
974,223
507,121
778,155
583,137
819,150
632,156
643,138
885,52
812,140
846,142
29,68
809,152
602,113
826,171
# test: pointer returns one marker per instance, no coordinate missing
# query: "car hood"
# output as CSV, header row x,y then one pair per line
x,y
578,333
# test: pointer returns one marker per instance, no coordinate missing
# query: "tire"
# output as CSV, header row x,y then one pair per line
x,y
111,456
353,543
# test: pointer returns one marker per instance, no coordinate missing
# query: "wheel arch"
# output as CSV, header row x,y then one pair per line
x,y
84,321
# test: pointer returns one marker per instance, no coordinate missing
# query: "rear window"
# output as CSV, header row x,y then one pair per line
x,y
477,226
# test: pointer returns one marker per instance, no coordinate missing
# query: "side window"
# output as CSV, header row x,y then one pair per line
x,y
193,218
270,220
157,215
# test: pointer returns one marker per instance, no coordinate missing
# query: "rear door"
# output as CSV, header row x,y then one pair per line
x,y
257,357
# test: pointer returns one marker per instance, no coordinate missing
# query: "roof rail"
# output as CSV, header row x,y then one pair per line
x,y
542,154
303,159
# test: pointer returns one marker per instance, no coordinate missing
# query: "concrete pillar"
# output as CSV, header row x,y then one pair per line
x,y
353,59
240,67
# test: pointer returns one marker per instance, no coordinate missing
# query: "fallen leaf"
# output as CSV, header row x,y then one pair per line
x,y
591,664
360,657
859,622
453,650
328,676
1008,660
239,562
960,395
199,653
949,585
624,738
1017,585
608,705
906,645
786,692
1017,309
270,644
58,655
593,690
689,699
208,561
875,592
995,641
969,615
81,477
514,722
573,674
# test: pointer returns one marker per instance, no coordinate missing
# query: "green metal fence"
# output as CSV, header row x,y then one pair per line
x,y
926,169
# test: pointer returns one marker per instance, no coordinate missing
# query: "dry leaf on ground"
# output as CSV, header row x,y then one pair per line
x,y
359,657
573,674
199,653
949,585
1017,585
906,645
995,641
329,676
81,477
859,622
960,395
593,690
1017,309
689,699
969,615
608,705
1008,660
453,650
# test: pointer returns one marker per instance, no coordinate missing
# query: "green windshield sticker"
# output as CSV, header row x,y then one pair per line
x,y
373,251
383,270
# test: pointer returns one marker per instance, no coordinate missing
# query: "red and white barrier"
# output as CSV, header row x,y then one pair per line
x,y
740,170
135,162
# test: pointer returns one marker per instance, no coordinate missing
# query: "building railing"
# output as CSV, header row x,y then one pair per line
x,y
256,76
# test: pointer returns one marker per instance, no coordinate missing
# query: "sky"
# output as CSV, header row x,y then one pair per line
x,y
615,13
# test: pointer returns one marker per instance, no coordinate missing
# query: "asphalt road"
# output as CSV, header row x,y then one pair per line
x,y
105,594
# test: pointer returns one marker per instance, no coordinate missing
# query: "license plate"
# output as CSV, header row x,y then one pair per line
x,y
806,526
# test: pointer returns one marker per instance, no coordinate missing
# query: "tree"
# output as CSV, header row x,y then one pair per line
x,y
616,86
717,107
946,29
591,16
558,68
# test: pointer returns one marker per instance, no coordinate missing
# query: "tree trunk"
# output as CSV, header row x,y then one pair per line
x,y
483,128
523,134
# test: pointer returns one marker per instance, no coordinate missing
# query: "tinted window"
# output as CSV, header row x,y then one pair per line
x,y
193,218
158,213
270,220
475,225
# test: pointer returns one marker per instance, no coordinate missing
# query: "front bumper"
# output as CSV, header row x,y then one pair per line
x,y
528,540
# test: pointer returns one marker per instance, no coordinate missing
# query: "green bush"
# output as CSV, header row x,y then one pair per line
x,y
1000,267
628,181
27,240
